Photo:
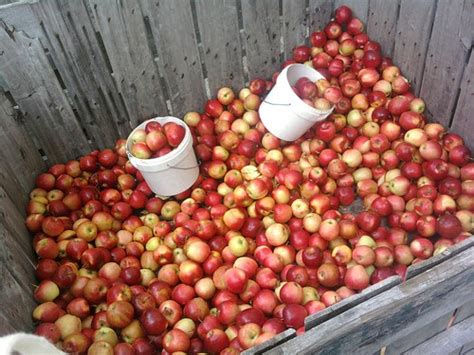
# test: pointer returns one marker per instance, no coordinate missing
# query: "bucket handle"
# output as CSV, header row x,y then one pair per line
x,y
272,103
178,168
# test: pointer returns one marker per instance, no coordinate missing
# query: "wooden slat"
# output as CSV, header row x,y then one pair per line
x,y
21,161
271,343
450,43
393,314
134,68
295,25
16,270
463,123
340,307
221,47
459,339
412,39
75,51
177,49
319,14
31,81
418,335
262,31
359,7
17,304
465,311
421,267
13,220
382,22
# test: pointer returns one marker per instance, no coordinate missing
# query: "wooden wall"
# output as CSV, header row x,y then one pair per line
x,y
76,75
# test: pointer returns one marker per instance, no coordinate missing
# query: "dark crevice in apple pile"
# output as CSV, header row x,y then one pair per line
x,y
259,242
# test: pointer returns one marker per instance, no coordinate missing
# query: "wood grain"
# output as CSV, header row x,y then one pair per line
x,y
16,269
382,23
221,46
450,43
76,53
456,340
135,72
319,13
463,123
30,79
21,161
392,314
177,53
295,25
262,31
412,38
418,336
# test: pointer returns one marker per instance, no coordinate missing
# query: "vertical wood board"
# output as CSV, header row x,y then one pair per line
x,y
21,161
319,13
463,120
31,81
222,53
175,42
412,38
135,72
450,43
76,54
262,31
295,25
382,23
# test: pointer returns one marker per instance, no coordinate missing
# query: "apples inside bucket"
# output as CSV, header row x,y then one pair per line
x,y
172,167
283,112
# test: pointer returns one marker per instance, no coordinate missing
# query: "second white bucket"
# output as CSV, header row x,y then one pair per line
x,y
172,173
282,112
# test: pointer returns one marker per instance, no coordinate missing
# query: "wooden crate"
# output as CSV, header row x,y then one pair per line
x,y
93,69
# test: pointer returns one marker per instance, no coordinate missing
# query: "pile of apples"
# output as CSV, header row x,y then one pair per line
x,y
155,140
264,237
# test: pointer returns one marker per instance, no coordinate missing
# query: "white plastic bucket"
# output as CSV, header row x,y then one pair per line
x,y
282,112
172,173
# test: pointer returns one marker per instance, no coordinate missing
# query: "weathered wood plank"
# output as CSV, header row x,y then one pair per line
x,y
347,303
450,43
262,31
17,304
360,8
75,51
135,72
271,343
462,120
21,161
177,52
392,314
13,221
319,13
295,25
465,311
421,267
418,335
31,81
20,15
221,46
382,22
412,39
458,339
